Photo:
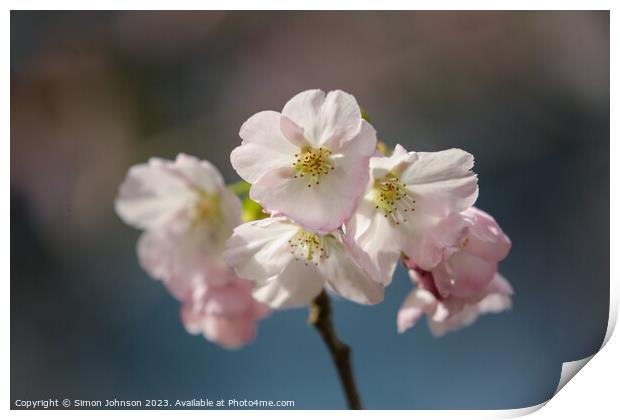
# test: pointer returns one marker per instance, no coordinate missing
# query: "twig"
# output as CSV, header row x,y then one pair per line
x,y
320,318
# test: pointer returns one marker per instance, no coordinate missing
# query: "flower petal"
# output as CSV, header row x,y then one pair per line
x,y
380,166
198,174
498,298
263,148
304,109
295,286
293,132
428,240
226,314
453,321
370,234
323,207
230,332
500,285
463,275
417,303
442,182
152,195
461,312
161,192
486,239
182,261
347,278
258,250
328,121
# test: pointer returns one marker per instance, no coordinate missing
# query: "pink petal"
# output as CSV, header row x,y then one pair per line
x,y
427,240
229,332
418,302
304,110
182,261
486,239
463,274
225,314
453,321
293,132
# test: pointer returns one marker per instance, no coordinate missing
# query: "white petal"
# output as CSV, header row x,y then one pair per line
x,y
198,174
370,233
230,207
158,192
328,121
323,207
346,277
263,148
381,165
293,132
258,250
304,109
297,285
151,195
442,182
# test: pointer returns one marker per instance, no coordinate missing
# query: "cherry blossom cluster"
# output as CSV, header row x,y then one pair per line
x,y
339,212
187,214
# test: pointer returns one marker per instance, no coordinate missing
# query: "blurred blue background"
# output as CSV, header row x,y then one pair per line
x,y
94,92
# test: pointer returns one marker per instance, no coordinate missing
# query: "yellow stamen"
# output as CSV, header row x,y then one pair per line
x,y
207,209
309,247
392,197
312,164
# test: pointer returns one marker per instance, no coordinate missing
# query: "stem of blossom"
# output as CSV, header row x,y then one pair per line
x,y
321,318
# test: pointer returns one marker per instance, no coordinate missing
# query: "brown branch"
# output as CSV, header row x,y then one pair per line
x,y
321,318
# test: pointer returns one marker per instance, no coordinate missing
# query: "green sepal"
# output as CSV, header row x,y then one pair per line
x,y
251,210
364,114
240,188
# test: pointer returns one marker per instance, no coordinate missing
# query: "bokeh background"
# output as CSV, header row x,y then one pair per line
x,y
93,93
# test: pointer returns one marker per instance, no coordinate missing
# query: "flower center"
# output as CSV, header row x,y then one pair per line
x,y
309,247
312,164
207,208
393,198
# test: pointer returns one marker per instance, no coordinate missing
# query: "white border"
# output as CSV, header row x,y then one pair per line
x,y
594,393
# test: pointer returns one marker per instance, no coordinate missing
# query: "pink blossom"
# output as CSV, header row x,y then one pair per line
x,y
450,313
471,268
188,213
178,194
310,162
225,314
183,261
